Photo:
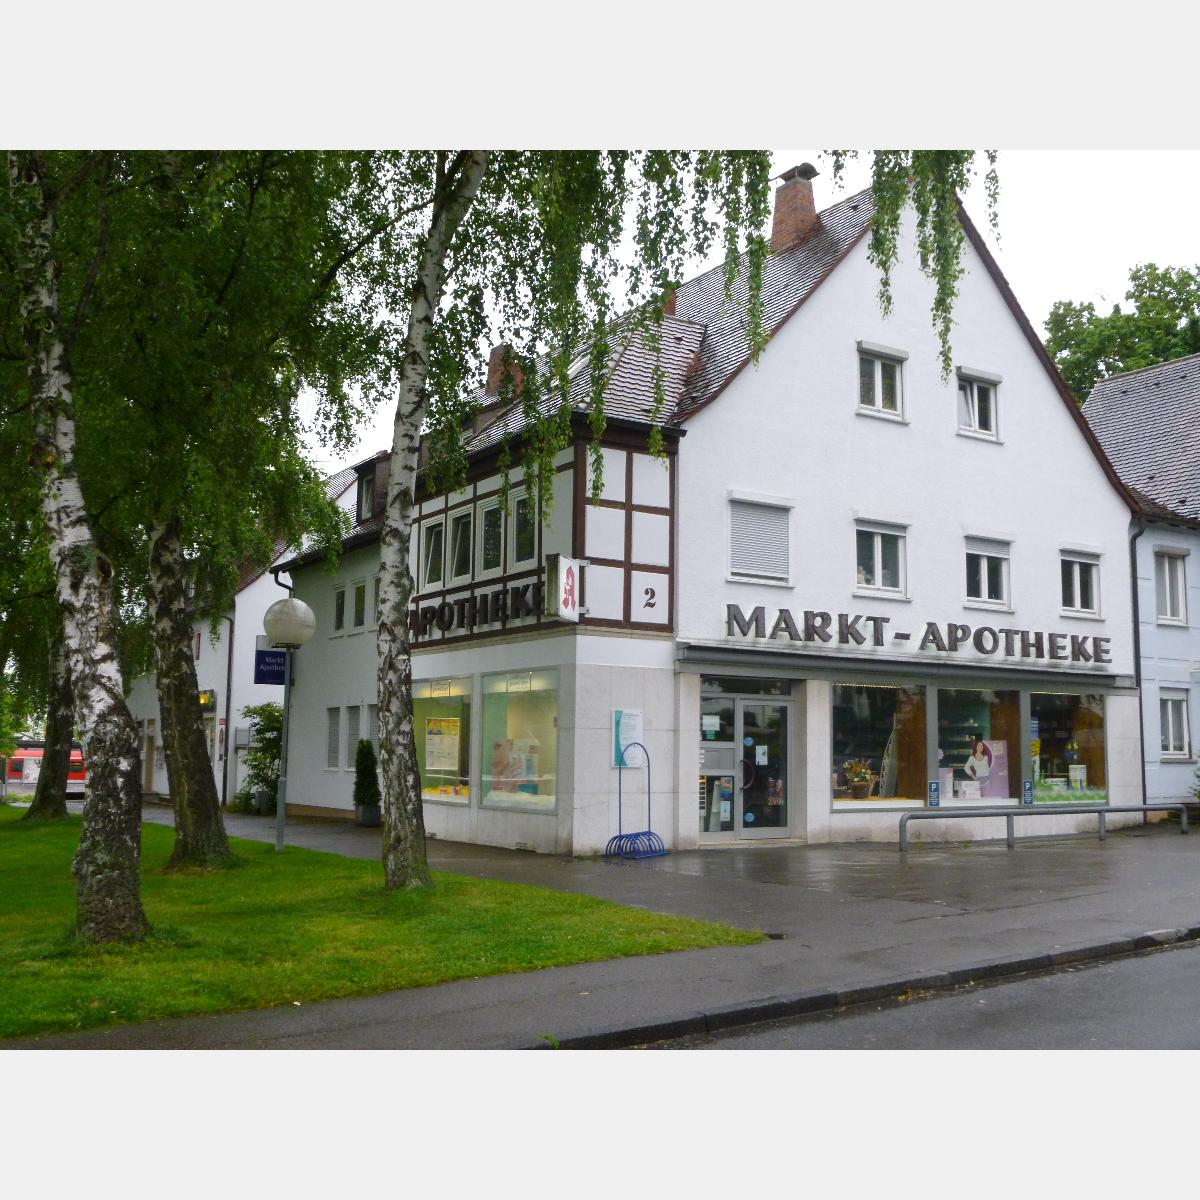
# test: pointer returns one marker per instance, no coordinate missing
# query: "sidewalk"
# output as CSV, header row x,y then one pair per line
x,y
848,924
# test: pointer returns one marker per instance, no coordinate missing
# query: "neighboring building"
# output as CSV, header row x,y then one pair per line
x,y
1148,422
844,558
225,673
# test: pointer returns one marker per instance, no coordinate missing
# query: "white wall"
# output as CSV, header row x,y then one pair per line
x,y
790,429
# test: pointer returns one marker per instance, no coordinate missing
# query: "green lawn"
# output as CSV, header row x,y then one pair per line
x,y
276,929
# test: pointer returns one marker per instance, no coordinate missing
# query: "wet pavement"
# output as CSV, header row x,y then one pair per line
x,y
848,921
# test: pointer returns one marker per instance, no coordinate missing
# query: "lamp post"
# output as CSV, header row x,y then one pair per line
x,y
288,624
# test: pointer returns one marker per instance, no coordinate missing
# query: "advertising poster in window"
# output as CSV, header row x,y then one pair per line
x,y
441,744
987,766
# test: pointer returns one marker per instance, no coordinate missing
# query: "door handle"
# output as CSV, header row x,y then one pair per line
x,y
745,783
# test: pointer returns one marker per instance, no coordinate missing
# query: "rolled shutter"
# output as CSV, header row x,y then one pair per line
x,y
759,540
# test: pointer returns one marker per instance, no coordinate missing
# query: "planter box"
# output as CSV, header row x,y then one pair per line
x,y
367,815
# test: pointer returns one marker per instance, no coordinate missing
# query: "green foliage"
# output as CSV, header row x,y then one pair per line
x,y
932,181
282,929
1163,323
366,775
266,742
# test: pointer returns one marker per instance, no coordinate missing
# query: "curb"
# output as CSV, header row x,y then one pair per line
x,y
773,1008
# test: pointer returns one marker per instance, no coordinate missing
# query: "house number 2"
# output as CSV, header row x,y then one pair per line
x,y
649,598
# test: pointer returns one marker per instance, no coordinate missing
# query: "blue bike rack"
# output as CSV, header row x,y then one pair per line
x,y
645,843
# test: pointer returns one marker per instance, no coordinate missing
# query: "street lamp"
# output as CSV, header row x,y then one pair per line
x,y
288,624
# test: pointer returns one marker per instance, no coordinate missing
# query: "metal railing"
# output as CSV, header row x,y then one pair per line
x,y
1042,810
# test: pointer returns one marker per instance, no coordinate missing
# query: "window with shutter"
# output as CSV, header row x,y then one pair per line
x,y
353,719
373,725
333,737
758,540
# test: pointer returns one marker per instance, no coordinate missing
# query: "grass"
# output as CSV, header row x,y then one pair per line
x,y
282,929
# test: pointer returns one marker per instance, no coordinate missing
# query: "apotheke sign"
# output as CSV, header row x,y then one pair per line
x,y
859,629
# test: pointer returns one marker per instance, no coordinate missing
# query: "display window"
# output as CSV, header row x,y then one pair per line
x,y
520,739
979,740
878,743
1067,748
442,725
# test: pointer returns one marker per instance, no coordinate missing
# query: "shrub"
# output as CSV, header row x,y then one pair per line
x,y
262,757
366,776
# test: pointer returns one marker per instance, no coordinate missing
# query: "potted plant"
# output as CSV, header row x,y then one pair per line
x,y
858,772
261,784
366,786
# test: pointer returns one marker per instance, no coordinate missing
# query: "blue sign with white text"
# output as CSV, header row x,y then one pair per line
x,y
935,794
1027,792
269,666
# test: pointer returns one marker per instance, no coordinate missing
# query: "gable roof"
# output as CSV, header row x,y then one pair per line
x,y
1148,421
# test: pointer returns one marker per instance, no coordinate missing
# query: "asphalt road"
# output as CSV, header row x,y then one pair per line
x,y
1147,1002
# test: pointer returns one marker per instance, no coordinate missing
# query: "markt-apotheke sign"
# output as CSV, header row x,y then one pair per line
x,y
861,629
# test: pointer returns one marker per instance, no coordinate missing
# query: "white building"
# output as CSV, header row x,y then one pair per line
x,y
845,558
1146,421
225,672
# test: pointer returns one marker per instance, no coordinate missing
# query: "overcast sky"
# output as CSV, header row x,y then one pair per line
x,y
1072,224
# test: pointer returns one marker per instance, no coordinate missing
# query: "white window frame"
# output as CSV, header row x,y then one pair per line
x,y
970,380
338,749
427,525
339,630
878,355
1081,560
985,549
881,529
366,482
356,626
452,518
515,563
1177,593
776,502
1170,725
481,509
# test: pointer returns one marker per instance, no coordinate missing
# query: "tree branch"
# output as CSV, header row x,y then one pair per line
x,y
93,271
86,167
255,187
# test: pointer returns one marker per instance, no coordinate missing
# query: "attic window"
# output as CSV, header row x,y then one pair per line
x,y
366,496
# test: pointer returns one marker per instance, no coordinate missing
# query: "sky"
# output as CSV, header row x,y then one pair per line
x,y
1072,224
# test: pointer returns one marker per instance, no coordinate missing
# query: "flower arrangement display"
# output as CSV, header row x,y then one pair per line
x,y
857,770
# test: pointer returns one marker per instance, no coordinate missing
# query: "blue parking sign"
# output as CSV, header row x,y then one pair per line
x,y
1027,792
935,794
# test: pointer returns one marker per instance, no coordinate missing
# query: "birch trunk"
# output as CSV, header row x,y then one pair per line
x,y
106,865
50,796
200,839
404,861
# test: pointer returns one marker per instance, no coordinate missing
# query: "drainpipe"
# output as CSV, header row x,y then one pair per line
x,y
1137,654
228,709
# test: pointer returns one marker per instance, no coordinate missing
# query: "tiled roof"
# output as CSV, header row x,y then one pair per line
x,y
1148,422
706,342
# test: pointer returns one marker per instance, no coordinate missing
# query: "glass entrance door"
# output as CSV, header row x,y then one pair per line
x,y
743,768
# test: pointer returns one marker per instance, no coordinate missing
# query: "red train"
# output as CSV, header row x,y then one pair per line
x,y
25,765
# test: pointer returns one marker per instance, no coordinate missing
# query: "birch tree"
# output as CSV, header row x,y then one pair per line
x,y
530,245
106,865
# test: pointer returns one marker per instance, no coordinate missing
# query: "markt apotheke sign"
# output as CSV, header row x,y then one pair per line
x,y
858,629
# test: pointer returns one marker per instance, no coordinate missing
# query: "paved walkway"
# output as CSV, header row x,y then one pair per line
x,y
849,923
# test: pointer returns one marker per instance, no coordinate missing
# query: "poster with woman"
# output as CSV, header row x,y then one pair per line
x,y
987,765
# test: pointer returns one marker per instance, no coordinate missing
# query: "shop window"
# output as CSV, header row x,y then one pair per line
x,y
432,547
1080,585
339,610
353,721
730,685
977,407
333,737
1173,724
1067,748
987,572
360,604
979,740
880,384
520,739
758,540
880,559
442,728
878,742
524,543
491,539
1170,585
460,546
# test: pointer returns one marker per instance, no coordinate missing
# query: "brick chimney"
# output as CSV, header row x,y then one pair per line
x,y
795,213
502,358
669,302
